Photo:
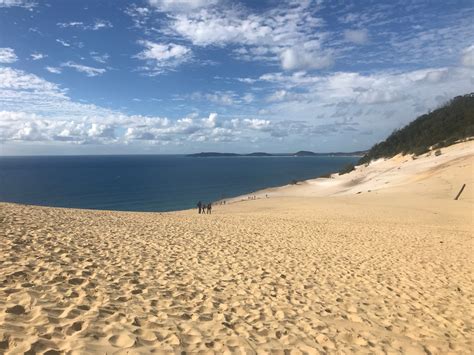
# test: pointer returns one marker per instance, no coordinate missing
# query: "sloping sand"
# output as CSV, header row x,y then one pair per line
x,y
386,271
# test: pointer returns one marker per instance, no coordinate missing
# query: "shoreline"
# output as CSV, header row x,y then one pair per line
x,y
316,268
396,172
165,191
334,185
364,177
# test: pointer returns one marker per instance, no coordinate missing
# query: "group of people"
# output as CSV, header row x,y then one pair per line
x,y
203,208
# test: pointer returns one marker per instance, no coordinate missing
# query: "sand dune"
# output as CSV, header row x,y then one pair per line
x,y
386,271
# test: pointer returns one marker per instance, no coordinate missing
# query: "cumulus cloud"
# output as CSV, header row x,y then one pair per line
x,y
357,36
352,104
467,58
217,28
35,110
355,88
89,71
299,58
7,55
160,56
289,35
22,126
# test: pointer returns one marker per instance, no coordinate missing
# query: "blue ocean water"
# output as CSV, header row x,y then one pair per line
x,y
149,182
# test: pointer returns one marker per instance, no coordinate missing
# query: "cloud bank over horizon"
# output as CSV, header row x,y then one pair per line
x,y
176,76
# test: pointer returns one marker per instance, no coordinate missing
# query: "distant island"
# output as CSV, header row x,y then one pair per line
x,y
301,153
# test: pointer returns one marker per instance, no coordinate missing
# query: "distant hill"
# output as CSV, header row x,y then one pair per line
x,y
258,154
213,154
439,128
301,153
305,153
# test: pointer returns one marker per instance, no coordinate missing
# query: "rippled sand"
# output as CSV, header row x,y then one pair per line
x,y
389,271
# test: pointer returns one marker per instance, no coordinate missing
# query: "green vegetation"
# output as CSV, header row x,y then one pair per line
x,y
440,128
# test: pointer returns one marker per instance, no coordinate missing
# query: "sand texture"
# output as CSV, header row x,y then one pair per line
x,y
386,271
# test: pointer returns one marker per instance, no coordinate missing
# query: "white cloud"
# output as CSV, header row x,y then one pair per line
x,y
19,80
289,35
467,58
37,56
248,98
101,58
163,52
161,56
89,71
357,36
70,24
101,24
278,95
7,55
97,25
257,124
223,98
35,110
299,58
64,43
220,98
17,3
54,70
247,80
21,91
23,126
349,104
344,103
181,5
212,28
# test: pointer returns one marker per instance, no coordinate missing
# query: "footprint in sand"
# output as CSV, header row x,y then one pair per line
x,y
76,281
146,335
16,310
76,326
122,340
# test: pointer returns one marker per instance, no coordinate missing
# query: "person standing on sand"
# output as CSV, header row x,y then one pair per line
x,y
209,208
199,205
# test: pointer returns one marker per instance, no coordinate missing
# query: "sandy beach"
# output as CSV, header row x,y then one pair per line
x,y
376,261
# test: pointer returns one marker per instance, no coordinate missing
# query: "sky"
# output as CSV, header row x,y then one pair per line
x,y
185,76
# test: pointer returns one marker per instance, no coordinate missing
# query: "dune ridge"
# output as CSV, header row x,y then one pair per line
x,y
314,268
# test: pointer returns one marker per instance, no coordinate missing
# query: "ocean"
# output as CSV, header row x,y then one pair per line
x,y
149,182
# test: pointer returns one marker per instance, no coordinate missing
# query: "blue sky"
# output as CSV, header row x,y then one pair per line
x,y
178,76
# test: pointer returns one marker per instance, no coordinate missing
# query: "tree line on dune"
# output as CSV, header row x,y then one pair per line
x,y
442,127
